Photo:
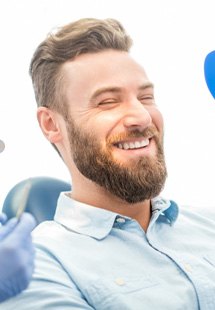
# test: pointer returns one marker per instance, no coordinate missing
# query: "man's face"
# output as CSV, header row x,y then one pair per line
x,y
114,128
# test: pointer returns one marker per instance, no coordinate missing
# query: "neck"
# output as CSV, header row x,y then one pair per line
x,y
90,193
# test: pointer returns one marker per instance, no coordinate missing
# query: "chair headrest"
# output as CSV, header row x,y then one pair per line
x,y
42,198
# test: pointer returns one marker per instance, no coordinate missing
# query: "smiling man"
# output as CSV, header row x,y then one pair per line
x,y
114,242
113,136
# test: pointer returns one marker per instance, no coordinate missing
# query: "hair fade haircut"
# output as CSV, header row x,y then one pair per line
x,y
87,35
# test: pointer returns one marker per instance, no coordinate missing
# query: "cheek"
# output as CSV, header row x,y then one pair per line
x,y
157,119
102,124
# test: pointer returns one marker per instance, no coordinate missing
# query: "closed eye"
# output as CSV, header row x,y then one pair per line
x,y
147,99
107,101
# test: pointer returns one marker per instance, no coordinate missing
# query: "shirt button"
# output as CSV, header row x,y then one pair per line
x,y
119,281
120,220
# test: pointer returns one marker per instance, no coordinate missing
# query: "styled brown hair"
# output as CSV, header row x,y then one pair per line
x,y
87,35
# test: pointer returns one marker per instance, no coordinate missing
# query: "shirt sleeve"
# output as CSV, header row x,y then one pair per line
x,y
51,288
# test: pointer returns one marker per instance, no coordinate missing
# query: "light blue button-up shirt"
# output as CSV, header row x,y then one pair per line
x,y
91,258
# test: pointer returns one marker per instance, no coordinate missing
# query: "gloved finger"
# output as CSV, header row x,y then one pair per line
x,y
3,218
7,228
25,225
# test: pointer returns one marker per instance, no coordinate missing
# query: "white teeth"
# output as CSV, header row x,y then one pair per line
x,y
133,145
125,146
144,143
137,144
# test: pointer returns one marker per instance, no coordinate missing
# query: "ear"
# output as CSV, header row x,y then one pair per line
x,y
49,123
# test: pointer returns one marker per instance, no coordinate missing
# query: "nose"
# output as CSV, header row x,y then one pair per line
x,y
136,116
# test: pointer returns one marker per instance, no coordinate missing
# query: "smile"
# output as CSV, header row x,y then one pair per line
x,y
133,145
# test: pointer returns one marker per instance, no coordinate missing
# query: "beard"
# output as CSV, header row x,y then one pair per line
x,y
135,182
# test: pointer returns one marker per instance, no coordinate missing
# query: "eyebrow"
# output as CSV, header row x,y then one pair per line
x,y
146,85
114,89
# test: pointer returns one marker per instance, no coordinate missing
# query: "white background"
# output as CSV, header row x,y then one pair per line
x,y
171,40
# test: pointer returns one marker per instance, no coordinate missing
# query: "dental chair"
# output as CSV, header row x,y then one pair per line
x,y
40,194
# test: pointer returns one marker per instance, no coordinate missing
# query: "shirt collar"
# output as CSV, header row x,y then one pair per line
x,y
82,218
167,208
97,223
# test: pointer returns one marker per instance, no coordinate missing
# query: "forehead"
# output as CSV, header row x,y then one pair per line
x,y
89,72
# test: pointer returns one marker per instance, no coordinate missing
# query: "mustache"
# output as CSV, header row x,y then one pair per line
x,y
148,132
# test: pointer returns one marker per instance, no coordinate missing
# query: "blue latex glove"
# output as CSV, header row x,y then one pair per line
x,y
16,255
3,218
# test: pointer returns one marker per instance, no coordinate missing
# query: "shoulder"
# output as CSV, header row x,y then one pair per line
x,y
52,241
196,222
205,213
47,229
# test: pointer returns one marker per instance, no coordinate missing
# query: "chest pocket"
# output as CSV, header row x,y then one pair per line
x,y
120,292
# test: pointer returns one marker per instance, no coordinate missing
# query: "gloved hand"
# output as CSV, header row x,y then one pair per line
x,y
3,218
16,255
